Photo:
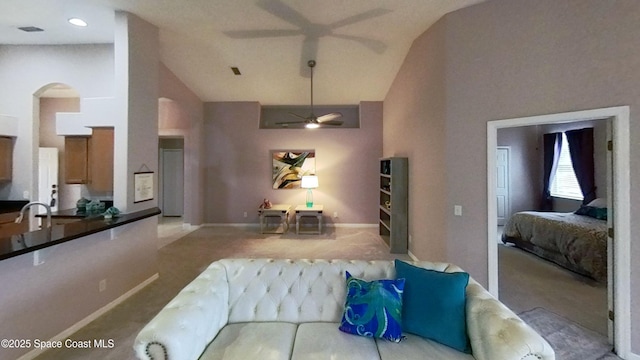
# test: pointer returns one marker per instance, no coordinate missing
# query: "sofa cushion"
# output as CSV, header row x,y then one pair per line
x,y
321,341
241,341
373,308
417,347
434,305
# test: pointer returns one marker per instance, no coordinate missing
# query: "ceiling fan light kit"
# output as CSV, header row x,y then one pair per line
x,y
312,121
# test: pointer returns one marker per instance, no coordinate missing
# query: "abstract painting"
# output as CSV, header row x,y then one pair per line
x,y
288,167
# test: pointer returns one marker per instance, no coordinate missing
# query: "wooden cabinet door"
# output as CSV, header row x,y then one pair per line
x,y
76,153
6,158
101,159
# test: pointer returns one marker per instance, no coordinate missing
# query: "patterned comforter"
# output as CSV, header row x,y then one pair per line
x,y
576,242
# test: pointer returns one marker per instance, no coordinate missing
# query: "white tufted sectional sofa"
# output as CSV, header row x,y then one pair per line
x,y
290,309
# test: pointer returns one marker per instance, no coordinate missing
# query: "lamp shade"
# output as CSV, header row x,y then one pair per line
x,y
309,182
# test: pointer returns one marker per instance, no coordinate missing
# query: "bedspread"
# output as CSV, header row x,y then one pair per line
x,y
577,242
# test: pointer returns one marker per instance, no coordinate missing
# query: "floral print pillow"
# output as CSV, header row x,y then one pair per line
x,y
374,308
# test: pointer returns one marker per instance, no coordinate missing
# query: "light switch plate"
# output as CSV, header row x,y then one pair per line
x,y
457,210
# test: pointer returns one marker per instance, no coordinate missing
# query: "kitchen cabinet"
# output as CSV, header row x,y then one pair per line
x,y
6,158
89,159
101,159
76,157
8,225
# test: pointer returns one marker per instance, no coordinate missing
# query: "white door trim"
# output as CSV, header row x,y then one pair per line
x,y
621,198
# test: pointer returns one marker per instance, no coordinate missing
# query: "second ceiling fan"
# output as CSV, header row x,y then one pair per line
x,y
312,121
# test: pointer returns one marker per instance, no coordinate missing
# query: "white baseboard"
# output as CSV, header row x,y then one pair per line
x,y
334,225
96,314
633,356
231,224
415,258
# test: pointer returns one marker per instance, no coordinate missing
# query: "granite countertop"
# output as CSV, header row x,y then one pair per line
x,y
35,240
8,206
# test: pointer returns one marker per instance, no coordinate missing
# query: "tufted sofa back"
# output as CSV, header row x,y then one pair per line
x,y
298,291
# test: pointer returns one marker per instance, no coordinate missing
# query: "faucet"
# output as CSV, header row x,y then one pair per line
x,y
24,208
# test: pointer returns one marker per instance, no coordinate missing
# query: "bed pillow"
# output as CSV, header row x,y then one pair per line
x,y
594,212
598,203
373,308
434,305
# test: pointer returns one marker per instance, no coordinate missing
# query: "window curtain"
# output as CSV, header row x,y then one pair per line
x,y
552,145
581,150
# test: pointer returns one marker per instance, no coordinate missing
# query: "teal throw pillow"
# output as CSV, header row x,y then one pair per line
x,y
592,211
434,305
374,308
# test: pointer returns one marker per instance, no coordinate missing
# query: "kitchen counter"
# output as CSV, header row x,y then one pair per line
x,y
57,234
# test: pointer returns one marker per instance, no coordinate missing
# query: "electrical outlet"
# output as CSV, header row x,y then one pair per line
x,y
335,214
102,285
25,194
410,239
457,210
245,214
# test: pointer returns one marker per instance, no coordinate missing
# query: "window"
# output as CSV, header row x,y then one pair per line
x,y
565,184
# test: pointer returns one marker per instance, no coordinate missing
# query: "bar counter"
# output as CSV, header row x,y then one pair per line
x,y
35,240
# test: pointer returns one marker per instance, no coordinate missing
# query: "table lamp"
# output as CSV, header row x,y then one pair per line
x,y
309,182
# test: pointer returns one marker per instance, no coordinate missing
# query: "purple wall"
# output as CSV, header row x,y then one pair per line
x,y
414,126
507,59
238,166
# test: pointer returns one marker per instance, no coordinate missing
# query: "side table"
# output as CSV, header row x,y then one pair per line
x,y
304,211
277,210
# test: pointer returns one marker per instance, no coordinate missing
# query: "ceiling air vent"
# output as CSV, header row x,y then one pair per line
x,y
235,70
30,28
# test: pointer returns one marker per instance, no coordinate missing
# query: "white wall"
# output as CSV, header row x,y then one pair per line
x,y
24,71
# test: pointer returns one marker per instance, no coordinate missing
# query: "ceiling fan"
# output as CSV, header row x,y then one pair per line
x,y
312,121
311,31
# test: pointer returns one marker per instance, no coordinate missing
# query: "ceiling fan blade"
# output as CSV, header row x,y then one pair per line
x,y
360,17
329,117
281,10
375,45
256,34
332,122
291,122
299,116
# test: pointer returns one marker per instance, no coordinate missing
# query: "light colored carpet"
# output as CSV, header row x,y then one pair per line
x,y
569,340
182,260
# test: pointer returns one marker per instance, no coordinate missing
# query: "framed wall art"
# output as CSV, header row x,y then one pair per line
x,y
143,186
288,167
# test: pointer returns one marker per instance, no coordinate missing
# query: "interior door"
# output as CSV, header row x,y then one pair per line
x,y
502,184
48,189
172,182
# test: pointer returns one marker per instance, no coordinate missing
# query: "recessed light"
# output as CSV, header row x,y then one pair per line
x,y
77,22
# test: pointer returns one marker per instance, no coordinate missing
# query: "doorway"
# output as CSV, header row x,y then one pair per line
x,y
618,197
49,100
172,177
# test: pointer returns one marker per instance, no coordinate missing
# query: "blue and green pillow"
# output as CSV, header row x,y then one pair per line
x,y
373,308
434,305
592,211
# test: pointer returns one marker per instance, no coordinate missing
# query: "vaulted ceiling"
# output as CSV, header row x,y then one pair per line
x,y
358,45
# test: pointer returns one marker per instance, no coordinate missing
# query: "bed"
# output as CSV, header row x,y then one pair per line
x,y
576,241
